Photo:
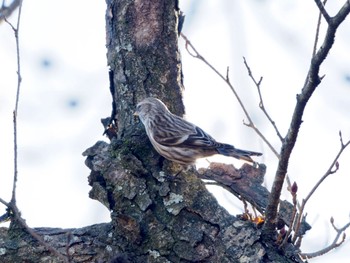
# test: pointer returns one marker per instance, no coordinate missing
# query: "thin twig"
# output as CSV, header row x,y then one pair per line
x,y
317,31
13,198
197,55
6,11
12,206
330,169
323,10
333,168
293,190
194,53
262,107
250,123
5,217
312,82
261,103
340,233
15,111
4,202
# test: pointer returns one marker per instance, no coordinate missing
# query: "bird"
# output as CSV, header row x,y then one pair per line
x,y
181,141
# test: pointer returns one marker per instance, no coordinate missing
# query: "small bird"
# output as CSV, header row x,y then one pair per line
x,y
179,140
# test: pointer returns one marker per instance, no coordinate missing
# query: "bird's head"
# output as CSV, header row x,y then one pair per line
x,y
149,108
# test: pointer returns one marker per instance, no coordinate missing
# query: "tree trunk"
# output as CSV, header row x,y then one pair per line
x,y
160,212
143,56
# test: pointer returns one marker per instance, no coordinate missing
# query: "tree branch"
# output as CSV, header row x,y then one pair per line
x,y
15,111
333,168
317,31
160,206
313,80
261,103
246,183
250,123
6,11
333,245
323,11
13,210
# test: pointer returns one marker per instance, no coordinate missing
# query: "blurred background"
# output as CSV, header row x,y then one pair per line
x,y
65,93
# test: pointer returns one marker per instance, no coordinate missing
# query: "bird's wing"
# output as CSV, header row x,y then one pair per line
x,y
200,139
188,135
173,132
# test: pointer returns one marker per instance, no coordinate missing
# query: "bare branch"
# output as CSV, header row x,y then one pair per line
x,y
340,234
318,29
323,10
19,80
312,82
4,202
200,57
341,15
13,210
6,11
341,139
13,198
245,183
194,53
5,217
262,107
333,168
293,190
261,103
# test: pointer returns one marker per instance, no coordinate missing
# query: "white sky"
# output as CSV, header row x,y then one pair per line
x,y
65,93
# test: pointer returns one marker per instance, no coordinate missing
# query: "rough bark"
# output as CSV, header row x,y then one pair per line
x,y
143,56
160,212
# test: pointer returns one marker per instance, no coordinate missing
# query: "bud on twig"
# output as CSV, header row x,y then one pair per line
x,y
337,165
294,188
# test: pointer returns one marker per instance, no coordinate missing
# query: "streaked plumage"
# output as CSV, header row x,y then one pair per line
x,y
179,140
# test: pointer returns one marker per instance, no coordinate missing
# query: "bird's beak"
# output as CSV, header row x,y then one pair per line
x,y
136,113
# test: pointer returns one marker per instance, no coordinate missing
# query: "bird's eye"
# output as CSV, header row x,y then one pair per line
x,y
138,108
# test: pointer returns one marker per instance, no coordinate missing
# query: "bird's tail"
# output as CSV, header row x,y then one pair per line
x,y
229,150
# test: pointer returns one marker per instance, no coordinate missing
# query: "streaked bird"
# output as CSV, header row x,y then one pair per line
x,y
179,140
